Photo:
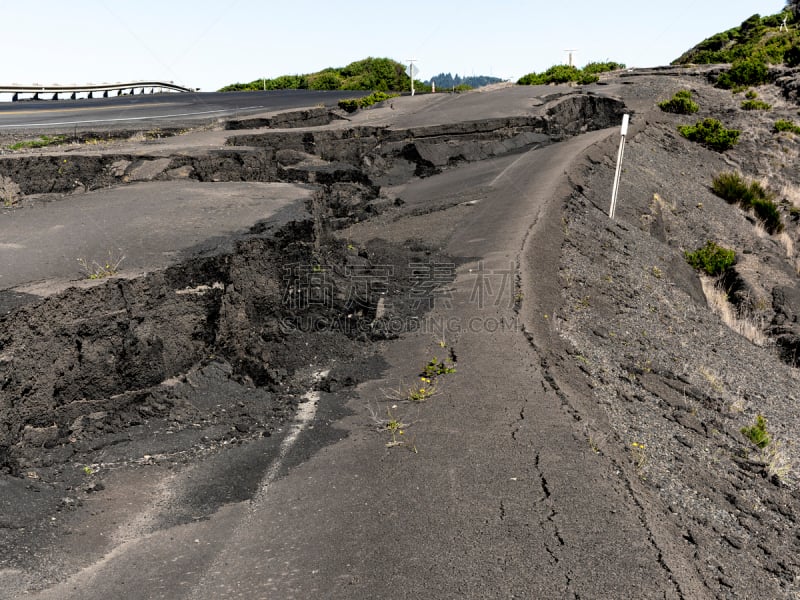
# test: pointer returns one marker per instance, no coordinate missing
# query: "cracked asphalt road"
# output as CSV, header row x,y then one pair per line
x,y
503,498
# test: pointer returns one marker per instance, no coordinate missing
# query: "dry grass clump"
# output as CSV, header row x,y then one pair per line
x,y
791,193
785,240
9,191
746,326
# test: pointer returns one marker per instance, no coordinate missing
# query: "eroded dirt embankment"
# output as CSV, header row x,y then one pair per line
x,y
677,375
92,367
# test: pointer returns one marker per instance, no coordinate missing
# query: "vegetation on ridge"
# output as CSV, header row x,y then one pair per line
x,y
379,74
353,104
568,74
757,37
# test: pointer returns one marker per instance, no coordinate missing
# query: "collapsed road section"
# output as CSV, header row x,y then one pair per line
x,y
215,343
102,349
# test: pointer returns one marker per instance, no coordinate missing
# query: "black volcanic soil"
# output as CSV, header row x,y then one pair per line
x,y
209,359
676,383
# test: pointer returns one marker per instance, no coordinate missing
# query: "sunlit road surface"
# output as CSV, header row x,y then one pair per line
x,y
162,107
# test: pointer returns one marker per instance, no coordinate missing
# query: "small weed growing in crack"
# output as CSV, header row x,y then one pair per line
x,y
98,270
396,428
426,387
422,392
87,470
436,367
418,392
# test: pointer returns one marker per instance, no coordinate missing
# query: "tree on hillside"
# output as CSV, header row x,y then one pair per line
x,y
794,7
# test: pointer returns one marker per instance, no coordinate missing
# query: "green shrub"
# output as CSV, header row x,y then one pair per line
x,y
784,125
353,104
768,213
681,103
711,258
792,56
593,68
757,433
751,95
350,104
751,70
733,188
755,105
711,133
569,73
325,80
555,74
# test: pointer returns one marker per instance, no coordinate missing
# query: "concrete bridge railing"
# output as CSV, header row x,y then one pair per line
x,y
16,92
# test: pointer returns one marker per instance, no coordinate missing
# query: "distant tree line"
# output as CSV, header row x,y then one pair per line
x,y
446,81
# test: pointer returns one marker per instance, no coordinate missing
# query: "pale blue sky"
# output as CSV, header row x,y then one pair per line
x,y
208,44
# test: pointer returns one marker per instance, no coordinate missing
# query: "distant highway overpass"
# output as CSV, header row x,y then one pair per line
x,y
16,92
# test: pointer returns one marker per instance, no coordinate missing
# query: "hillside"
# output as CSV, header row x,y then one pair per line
x,y
682,365
757,36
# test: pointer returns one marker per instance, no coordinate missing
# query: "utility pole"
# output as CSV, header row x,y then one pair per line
x,y
411,62
571,50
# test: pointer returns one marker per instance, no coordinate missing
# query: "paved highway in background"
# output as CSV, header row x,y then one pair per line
x,y
176,108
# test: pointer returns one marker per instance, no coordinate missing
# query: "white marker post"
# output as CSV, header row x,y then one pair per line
x,y
624,132
411,69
